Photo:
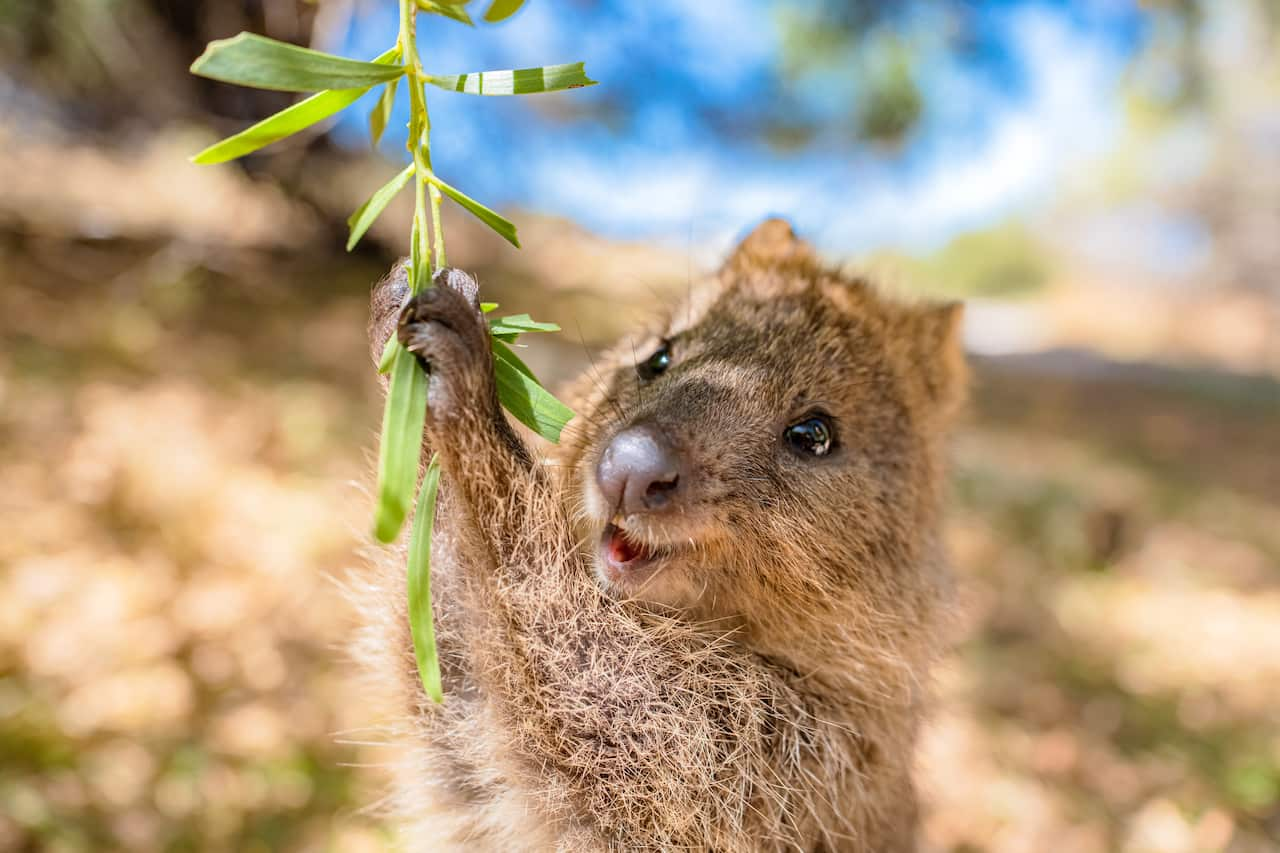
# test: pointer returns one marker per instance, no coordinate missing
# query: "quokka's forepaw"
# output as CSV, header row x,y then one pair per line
x,y
444,327
452,303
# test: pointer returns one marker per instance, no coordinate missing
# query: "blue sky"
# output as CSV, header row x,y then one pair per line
x,y
655,151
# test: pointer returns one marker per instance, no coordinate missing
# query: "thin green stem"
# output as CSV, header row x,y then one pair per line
x,y
417,142
419,145
432,190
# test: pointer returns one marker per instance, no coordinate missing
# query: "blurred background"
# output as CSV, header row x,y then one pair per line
x,y
188,414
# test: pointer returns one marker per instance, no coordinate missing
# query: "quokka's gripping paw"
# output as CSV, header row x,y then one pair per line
x,y
444,327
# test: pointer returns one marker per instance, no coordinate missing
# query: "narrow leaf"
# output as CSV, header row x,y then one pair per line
x,y
522,81
500,10
505,229
381,112
486,307
398,452
421,623
388,354
502,351
253,60
522,396
365,215
287,122
448,10
518,324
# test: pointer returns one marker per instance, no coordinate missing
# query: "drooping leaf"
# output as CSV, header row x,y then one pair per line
x,y
381,112
287,122
521,81
522,396
365,215
398,452
448,10
421,623
284,123
388,354
504,227
500,10
502,351
254,60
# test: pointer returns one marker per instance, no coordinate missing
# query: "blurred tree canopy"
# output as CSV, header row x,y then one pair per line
x,y
1002,261
126,59
885,45
103,64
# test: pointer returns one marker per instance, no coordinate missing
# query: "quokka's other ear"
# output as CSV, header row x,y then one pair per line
x,y
932,335
769,243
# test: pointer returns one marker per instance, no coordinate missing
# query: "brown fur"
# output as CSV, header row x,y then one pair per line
x,y
763,690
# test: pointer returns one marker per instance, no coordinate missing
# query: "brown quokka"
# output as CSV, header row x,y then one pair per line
x,y
707,625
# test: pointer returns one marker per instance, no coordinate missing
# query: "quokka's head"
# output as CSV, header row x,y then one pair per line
x,y
771,446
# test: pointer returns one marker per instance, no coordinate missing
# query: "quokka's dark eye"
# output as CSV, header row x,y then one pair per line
x,y
813,436
656,364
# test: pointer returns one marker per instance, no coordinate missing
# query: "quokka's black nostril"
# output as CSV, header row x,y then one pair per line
x,y
638,471
660,491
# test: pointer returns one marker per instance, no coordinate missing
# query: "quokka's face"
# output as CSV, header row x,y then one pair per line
x,y
756,448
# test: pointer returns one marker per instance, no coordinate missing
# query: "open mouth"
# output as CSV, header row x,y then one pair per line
x,y
625,560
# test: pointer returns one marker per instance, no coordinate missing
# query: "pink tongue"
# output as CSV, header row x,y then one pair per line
x,y
620,550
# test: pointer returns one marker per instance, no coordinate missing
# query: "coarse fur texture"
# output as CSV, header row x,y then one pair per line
x,y
760,684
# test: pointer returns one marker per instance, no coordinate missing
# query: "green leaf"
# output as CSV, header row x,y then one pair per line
x,y
500,10
502,351
381,112
527,401
505,229
365,215
486,307
518,324
449,10
421,623
388,354
284,123
253,60
401,444
287,122
522,81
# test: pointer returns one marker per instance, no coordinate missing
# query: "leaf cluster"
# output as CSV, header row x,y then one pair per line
x,y
336,83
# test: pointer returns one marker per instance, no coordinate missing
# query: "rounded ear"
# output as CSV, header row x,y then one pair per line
x,y
933,335
770,243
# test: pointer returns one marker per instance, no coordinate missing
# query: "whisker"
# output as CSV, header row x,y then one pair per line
x,y
598,378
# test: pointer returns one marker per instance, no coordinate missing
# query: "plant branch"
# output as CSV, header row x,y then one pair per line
x,y
418,142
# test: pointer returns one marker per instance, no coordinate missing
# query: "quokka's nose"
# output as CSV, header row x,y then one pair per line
x,y
639,471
